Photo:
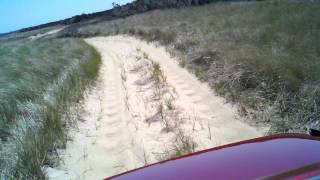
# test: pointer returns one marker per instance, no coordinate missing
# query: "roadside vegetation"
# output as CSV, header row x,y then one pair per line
x,y
263,56
166,113
40,81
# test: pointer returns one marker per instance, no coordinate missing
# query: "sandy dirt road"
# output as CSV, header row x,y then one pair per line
x,y
130,119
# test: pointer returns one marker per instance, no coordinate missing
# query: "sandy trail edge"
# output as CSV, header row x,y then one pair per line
x,y
54,31
115,137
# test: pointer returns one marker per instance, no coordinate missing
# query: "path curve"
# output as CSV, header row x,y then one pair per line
x,y
117,136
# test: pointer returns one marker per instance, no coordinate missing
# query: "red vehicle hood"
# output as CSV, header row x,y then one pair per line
x,y
252,159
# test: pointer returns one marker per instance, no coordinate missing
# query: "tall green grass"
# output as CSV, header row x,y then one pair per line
x,y
39,82
262,55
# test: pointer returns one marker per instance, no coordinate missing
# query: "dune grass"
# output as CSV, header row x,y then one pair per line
x,y
39,82
264,56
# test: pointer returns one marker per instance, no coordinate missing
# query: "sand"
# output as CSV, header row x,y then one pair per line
x,y
40,35
121,127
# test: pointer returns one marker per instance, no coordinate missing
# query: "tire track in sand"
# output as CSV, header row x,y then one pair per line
x,y
107,150
121,138
195,96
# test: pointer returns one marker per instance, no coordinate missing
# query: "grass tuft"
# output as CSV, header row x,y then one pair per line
x,y
40,82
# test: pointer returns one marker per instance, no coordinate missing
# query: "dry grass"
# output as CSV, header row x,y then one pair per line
x,y
261,55
183,144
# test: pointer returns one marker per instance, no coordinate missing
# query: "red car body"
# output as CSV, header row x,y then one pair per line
x,y
277,157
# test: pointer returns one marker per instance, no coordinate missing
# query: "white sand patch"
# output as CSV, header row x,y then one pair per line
x,y
123,127
40,35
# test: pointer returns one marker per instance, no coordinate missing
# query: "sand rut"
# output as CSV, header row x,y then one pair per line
x,y
144,100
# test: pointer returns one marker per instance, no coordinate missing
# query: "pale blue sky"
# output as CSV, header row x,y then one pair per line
x,y
17,14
